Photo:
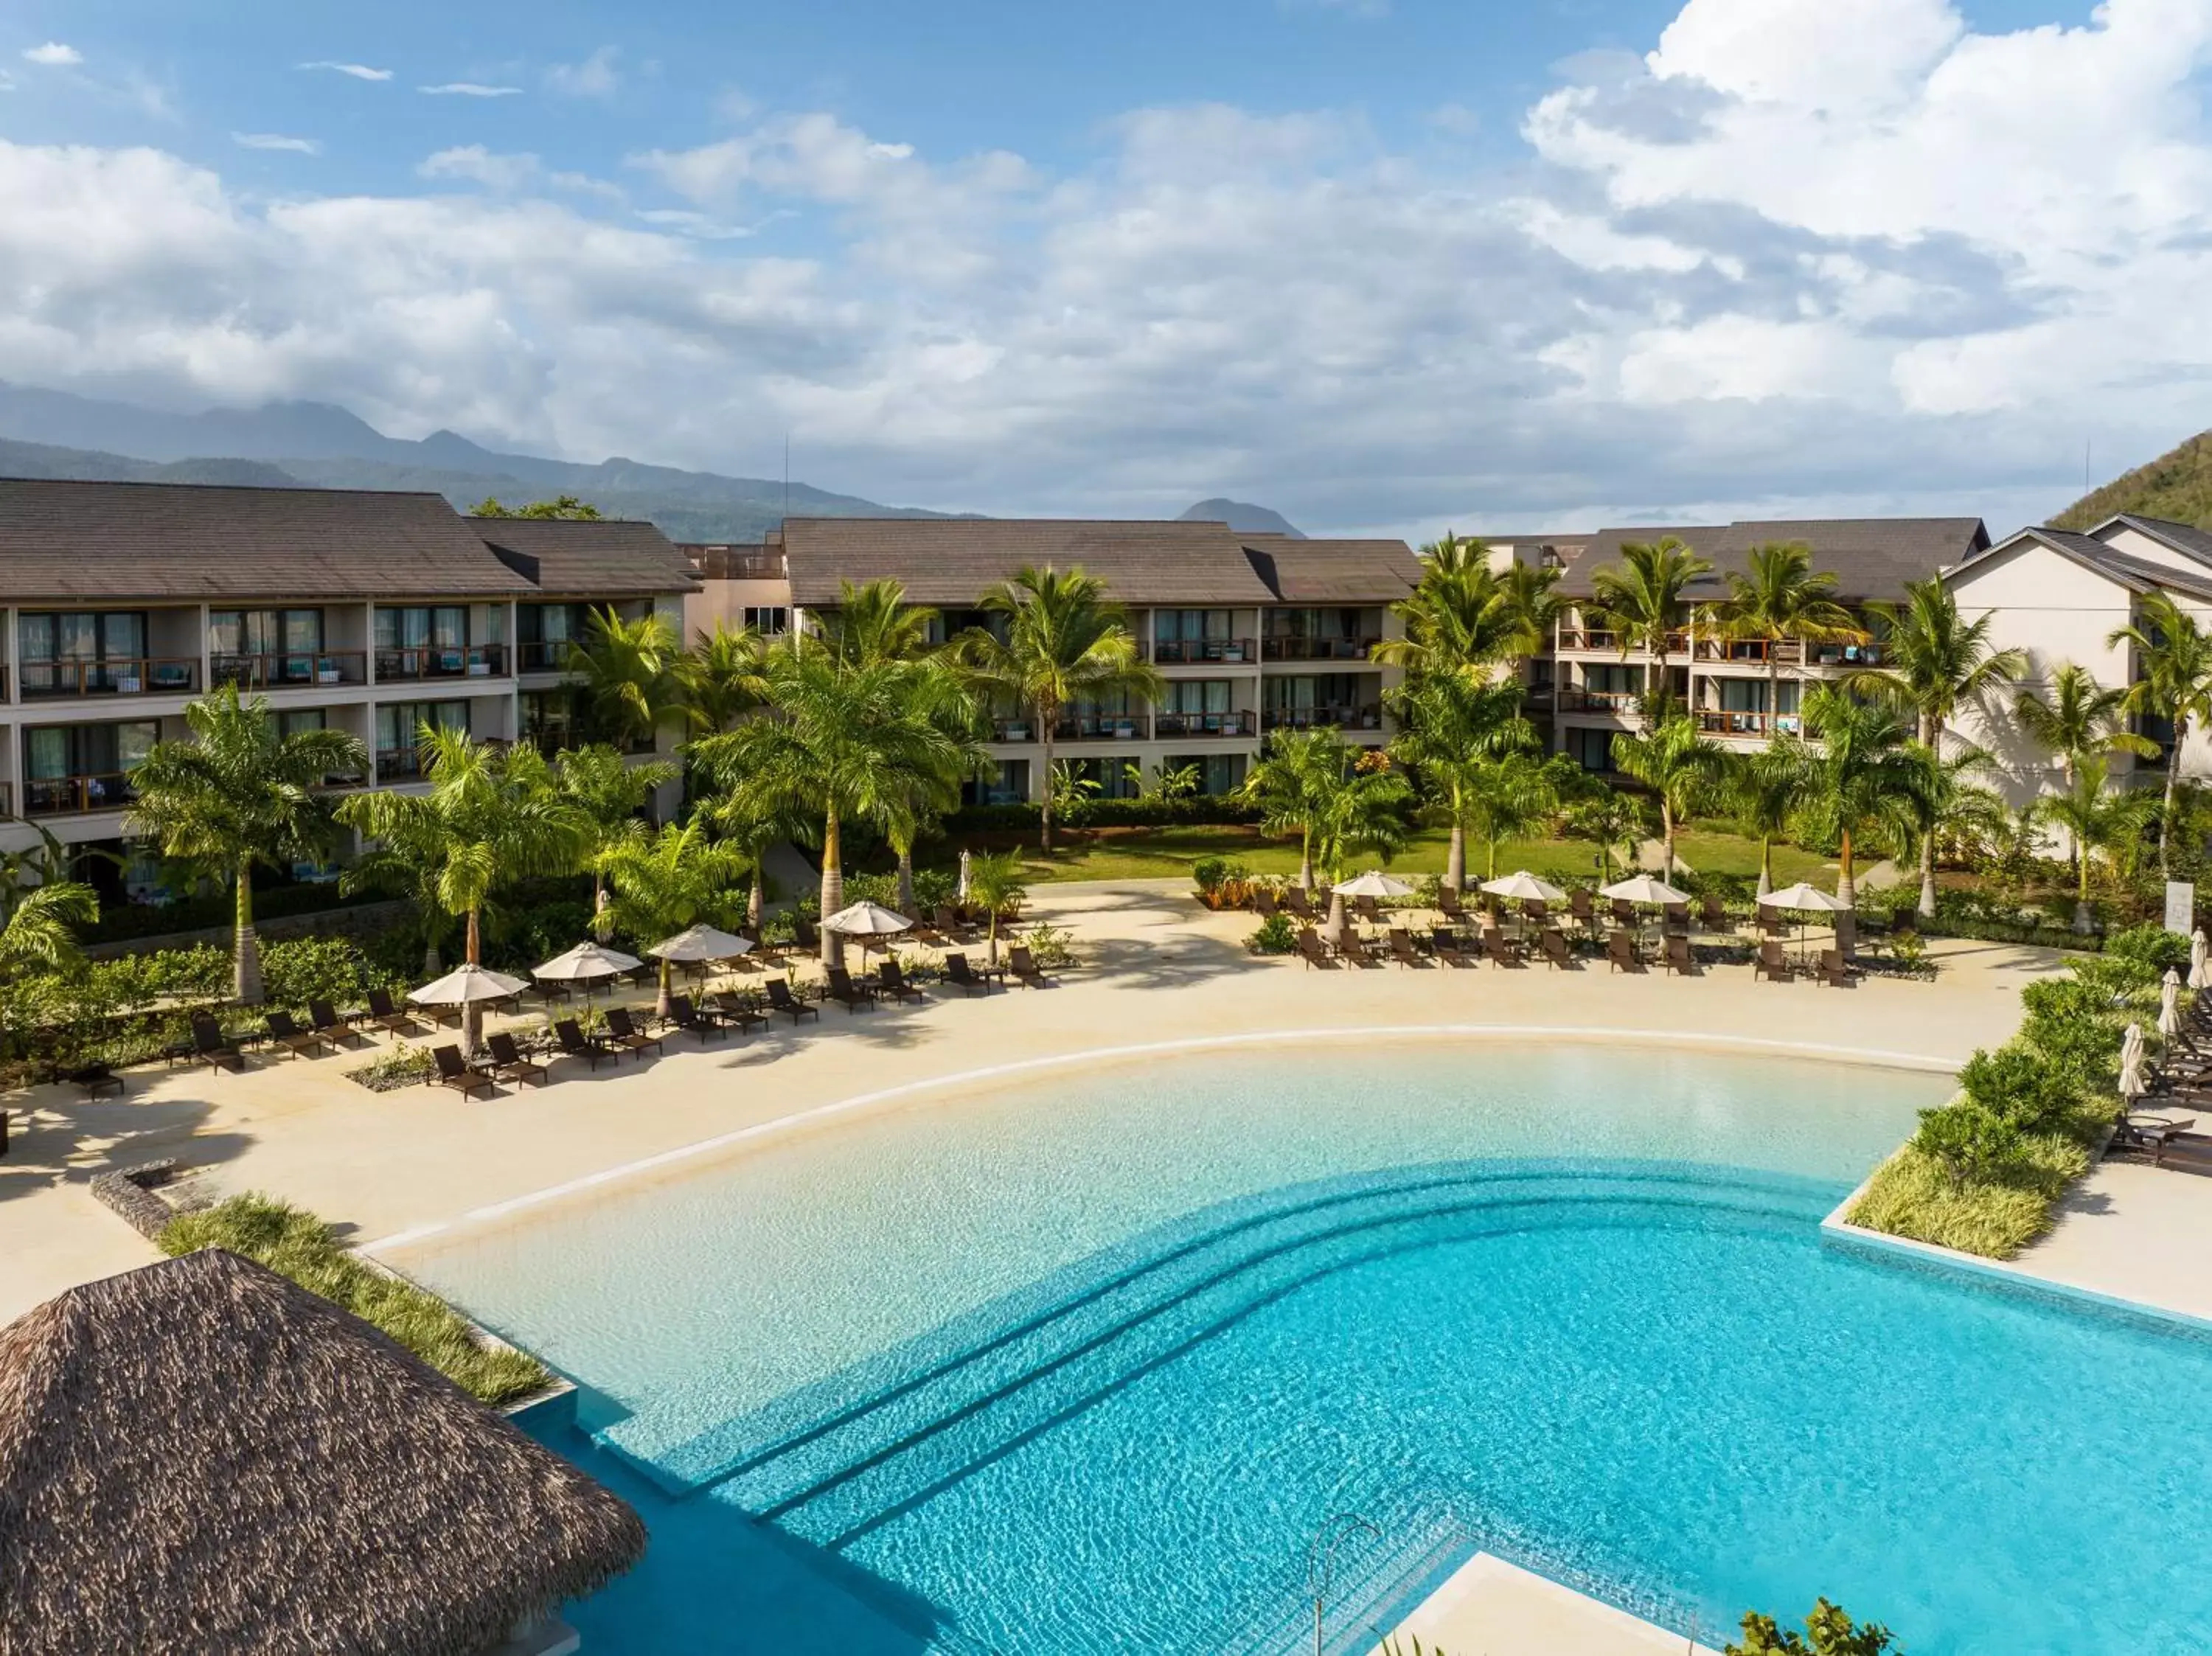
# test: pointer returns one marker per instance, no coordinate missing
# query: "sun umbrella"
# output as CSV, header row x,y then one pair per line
x,y
1642,888
2169,1005
701,943
468,985
2200,961
1803,896
964,877
585,960
1373,884
2131,1075
867,919
1524,886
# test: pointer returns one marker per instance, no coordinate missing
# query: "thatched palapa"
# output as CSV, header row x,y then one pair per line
x,y
201,1456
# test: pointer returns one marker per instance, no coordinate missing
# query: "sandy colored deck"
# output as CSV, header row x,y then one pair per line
x,y
1491,1608
1160,971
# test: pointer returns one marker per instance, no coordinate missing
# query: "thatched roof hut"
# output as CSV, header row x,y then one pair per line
x,y
201,1456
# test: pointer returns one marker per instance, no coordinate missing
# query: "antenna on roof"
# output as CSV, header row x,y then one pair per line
x,y
786,472
2088,445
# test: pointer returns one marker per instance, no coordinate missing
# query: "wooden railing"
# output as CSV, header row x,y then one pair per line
x,y
1326,648
1208,725
114,676
1719,721
542,655
1756,652
408,663
1587,638
289,668
77,796
398,764
1307,719
1182,651
1104,727
1574,699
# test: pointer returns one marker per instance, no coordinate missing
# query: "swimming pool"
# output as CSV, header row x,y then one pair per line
x,y
1081,1365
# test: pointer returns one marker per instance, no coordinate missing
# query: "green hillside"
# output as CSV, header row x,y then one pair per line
x,y
2177,486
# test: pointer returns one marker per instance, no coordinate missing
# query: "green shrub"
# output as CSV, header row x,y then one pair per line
x,y
1051,947
2153,945
1970,1142
1828,1632
405,1065
933,887
294,1244
1189,811
2016,1085
1275,936
1209,873
1913,1195
296,971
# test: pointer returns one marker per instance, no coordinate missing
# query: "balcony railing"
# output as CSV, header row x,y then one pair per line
x,y
1328,648
77,796
1182,651
114,676
1573,638
1210,724
291,668
1307,718
398,764
1753,651
1104,727
404,665
544,655
1574,699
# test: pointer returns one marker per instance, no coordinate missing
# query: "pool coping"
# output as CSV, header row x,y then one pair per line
x,y
855,1103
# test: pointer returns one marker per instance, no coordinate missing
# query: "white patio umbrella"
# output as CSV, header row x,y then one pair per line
x,y
1643,889
864,922
2131,1055
1373,884
1801,897
586,960
2169,1005
964,877
701,942
467,987
1524,887
2200,959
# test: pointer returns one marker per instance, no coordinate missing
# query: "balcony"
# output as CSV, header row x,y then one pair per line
x,y
114,676
1573,699
77,796
1104,727
292,669
542,655
411,665
1310,719
1597,640
1750,652
1326,648
1714,721
1187,651
398,764
1206,725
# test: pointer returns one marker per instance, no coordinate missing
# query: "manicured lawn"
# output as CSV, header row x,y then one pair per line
x,y
1168,853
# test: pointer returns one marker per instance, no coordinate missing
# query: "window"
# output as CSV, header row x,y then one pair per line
x,y
1743,695
770,620
1198,695
293,720
1112,776
442,626
267,646
82,767
1591,749
1009,785
398,729
548,719
55,649
1217,772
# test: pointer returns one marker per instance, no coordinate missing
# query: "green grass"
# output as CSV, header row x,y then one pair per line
x,y
294,1244
1911,1195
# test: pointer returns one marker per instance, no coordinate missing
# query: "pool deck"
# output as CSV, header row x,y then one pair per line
x,y
1160,974
1488,1607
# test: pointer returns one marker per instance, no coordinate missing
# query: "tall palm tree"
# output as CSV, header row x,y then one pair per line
x,y
608,792
1065,639
874,623
2096,819
236,795
632,683
842,744
2173,655
662,882
1765,788
1515,793
1867,774
1677,764
1292,783
2079,720
1640,599
720,677
1780,598
1451,725
1533,606
1953,807
493,816
1608,817
753,814
1935,663
1361,809
1454,620
40,934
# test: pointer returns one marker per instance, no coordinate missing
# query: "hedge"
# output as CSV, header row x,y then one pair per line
x,y
1196,810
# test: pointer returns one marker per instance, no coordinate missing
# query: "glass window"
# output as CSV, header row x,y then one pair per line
x,y
1743,695
292,721
45,753
449,626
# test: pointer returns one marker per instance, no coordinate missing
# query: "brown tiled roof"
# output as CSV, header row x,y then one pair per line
x,y
1872,558
606,558
2137,575
108,541
1333,572
953,562
2185,538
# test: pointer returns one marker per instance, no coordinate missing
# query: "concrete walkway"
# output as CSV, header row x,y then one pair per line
x,y
1491,1608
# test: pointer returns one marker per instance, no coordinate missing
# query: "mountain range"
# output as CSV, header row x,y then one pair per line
x,y
2176,487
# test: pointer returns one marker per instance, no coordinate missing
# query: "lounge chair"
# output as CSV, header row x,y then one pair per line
x,y
688,1016
508,1063
1582,905
386,1016
736,1011
325,1021
551,991
1620,953
891,980
1679,959
92,1080
1263,902
1368,910
1835,972
456,1072
1448,902
626,1035
212,1047
1624,914
575,1043
1678,919
781,999
1313,950
283,1032
1298,903
852,997
1499,950
2153,1135
1773,965
1023,965
957,971
948,921
1557,953
1714,912
1444,943
1535,911
1403,949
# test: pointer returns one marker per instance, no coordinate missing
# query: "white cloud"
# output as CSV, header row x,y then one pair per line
x,y
595,77
469,89
277,140
358,71
54,55
478,165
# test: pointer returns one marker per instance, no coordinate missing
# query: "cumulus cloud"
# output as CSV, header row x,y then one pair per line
x,y
277,141
469,89
597,76
54,55
357,71
1905,280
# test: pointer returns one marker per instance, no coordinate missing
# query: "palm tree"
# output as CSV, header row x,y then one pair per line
x,y
1455,620
1954,807
874,622
1765,788
662,882
720,677
1780,598
239,794
1361,809
1677,764
632,683
1532,605
753,815
2079,720
1640,599
995,881
1453,726
493,815
1867,775
609,792
1292,783
1065,640
2173,655
2096,819
1935,663
1515,793
842,744
40,932
1608,817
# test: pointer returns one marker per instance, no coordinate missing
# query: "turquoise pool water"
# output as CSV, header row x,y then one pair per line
x,y
1081,1366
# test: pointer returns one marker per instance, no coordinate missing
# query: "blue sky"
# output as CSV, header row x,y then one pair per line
x,y
1384,266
